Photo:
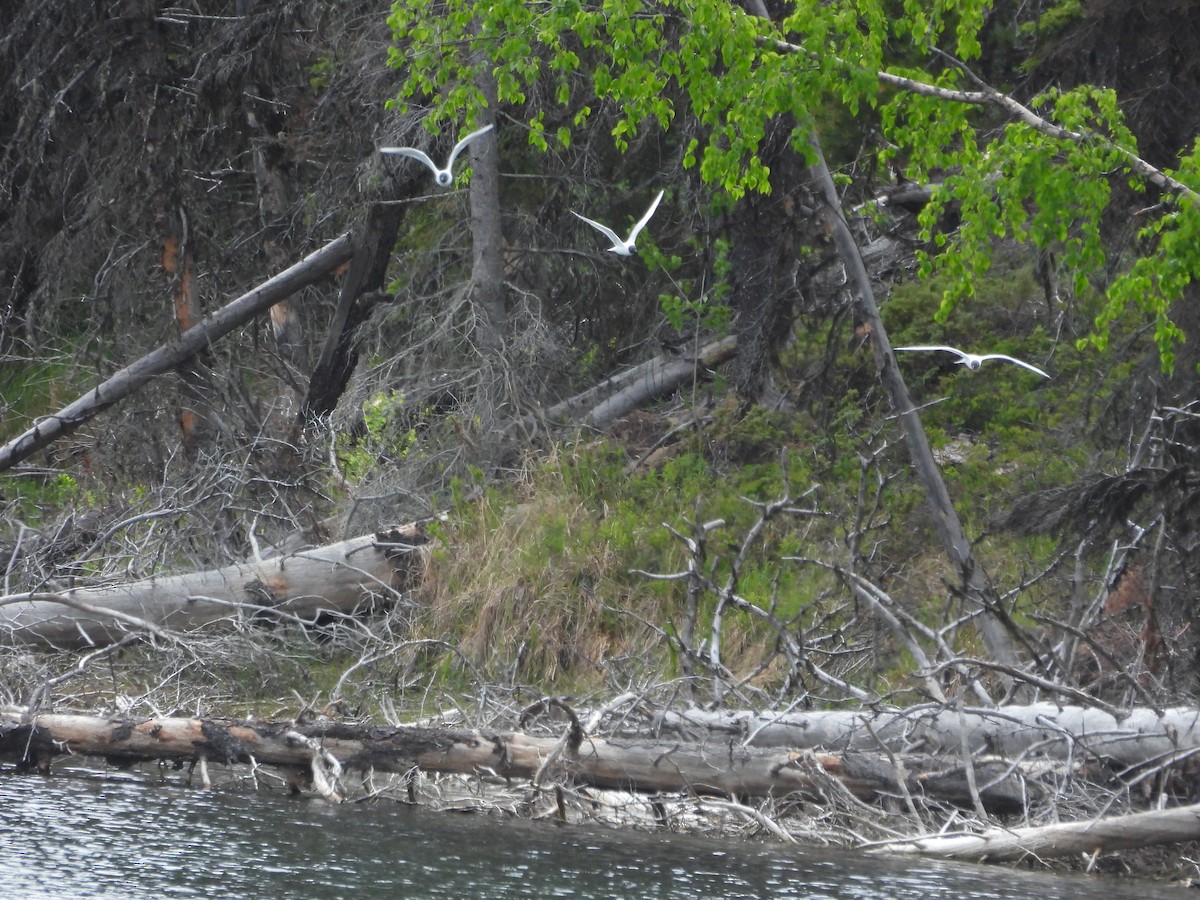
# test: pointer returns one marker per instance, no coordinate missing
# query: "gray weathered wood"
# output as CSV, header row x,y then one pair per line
x,y
1136,737
304,583
636,765
991,625
165,358
1144,829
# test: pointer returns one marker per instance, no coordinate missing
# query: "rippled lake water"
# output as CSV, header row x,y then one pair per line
x,y
93,836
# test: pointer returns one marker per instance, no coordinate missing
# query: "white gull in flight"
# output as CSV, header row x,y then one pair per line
x,y
975,360
620,247
443,176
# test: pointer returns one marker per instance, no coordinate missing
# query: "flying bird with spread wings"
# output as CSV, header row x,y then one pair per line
x,y
444,177
622,247
975,360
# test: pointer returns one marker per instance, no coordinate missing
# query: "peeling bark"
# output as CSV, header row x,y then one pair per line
x,y
714,769
196,414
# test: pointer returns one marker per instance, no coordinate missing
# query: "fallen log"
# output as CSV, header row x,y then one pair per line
x,y
1144,829
644,766
1134,737
339,577
602,404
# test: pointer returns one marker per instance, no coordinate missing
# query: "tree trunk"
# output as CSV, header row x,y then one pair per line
x,y
644,766
1145,829
765,230
979,591
211,329
1136,737
341,577
367,271
487,272
662,376
614,397
196,414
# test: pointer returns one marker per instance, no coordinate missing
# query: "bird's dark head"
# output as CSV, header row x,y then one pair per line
x,y
444,179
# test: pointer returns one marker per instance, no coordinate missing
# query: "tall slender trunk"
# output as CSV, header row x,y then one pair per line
x,y
981,595
487,274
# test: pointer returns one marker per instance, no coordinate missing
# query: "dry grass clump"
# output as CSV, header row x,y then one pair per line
x,y
535,591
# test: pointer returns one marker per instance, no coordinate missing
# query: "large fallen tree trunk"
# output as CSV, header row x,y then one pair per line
x,y
168,356
644,766
1135,737
1145,829
338,577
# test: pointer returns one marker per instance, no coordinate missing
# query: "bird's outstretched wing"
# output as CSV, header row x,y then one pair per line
x,y
644,219
1019,362
953,350
458,148
419,155
603,229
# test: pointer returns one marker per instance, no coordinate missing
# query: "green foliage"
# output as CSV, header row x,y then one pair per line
x,y
707,312
321,73
654,61
704,313
1020,184
1055,18
755,436
28,390
387,434
1170,261
549,563
729,74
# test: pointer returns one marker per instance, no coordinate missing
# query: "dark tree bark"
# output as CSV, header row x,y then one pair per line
x,y
367,271
272,182
766,232
487,273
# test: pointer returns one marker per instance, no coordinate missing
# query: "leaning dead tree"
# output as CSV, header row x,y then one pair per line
x,y
164,359
342,577
994,624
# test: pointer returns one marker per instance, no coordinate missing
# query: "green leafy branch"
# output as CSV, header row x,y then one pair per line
x,y
1043,173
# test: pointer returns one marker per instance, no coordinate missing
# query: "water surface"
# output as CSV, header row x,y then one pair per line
x,y
104,837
